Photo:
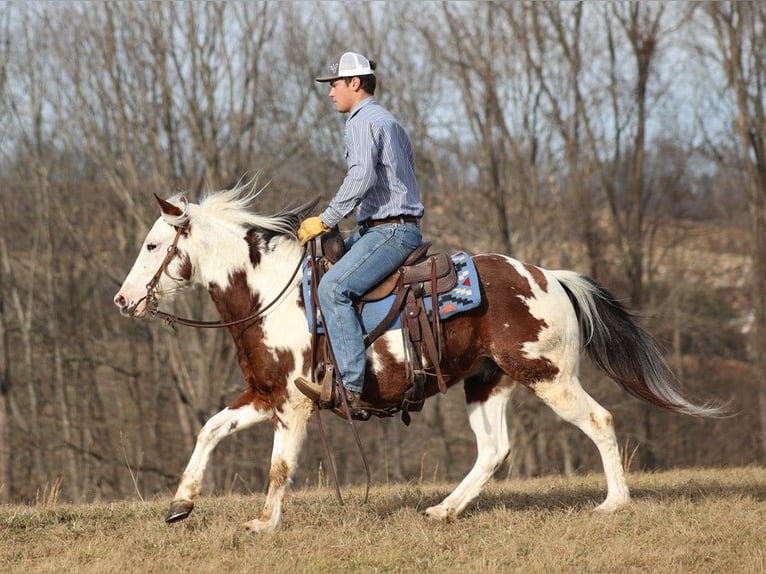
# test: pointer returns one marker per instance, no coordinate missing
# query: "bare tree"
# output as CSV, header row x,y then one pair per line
x,y
741,54
602,121
489,138
5,354
534,126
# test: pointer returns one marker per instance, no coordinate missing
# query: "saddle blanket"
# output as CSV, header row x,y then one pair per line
x,y
464,296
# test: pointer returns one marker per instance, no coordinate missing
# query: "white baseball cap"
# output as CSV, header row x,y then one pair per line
x,y
350,64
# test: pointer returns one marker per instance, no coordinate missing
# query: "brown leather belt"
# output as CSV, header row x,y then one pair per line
x,y
386,220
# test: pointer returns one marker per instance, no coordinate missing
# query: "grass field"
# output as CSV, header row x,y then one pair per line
x,y
698,520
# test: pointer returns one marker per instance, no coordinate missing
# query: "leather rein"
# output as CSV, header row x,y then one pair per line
x,y
153,304
170,319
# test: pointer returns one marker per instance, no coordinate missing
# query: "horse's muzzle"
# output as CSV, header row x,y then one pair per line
x,y
134,310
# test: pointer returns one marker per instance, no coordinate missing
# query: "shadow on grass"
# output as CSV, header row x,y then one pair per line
x,y
564,497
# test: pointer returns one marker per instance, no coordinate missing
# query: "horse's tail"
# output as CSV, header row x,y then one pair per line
x,y
624,350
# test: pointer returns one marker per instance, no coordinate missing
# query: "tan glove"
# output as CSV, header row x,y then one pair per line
x,y
310,228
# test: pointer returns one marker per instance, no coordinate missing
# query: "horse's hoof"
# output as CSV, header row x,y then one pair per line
x,y
179,510
612,506
441,514
260,526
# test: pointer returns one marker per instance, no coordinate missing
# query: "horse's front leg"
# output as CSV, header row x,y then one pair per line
x,y
219,426
289,434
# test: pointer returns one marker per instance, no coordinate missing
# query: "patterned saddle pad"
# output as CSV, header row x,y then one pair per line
x,y
465,296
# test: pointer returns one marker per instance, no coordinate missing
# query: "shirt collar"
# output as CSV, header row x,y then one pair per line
x,y
365,102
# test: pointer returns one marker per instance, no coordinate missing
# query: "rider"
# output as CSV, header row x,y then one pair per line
x,y
380,184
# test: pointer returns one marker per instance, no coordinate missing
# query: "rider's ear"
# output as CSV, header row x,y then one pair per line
x,y
168,208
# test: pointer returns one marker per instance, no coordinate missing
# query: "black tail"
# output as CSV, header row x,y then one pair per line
x,y
625,351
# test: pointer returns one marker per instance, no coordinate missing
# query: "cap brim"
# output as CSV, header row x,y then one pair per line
x,y
326,78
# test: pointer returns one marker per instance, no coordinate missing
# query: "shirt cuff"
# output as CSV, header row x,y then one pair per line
x,y
329,219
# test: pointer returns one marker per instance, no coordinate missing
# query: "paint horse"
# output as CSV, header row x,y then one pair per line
x,y
529,330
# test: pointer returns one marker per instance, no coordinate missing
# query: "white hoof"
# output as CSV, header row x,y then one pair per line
x,y
610,506
441,513
260,526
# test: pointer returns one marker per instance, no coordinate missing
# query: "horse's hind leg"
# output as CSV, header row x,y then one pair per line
x,y
488,422
569,400
219,426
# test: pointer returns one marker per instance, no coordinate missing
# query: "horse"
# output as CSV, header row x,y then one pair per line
x,y
530,329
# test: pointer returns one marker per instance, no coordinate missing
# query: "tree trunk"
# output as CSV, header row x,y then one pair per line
x,y
739,27
5,380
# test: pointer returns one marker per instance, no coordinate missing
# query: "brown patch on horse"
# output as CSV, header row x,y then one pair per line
x,y
538,276
265,376
511,323
185,269
301,300
259,240
472,337
279,473
387,386
235,300
483,383
253,240
244,399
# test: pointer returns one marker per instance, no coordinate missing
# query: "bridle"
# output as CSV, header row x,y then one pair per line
x,y
153,304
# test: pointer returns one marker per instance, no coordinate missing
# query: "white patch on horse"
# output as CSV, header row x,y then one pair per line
x,y
223,244
560,335
221,425
489,423
393,343
287,328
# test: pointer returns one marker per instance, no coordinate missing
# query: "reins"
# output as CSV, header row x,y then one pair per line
x,y
170,319
314,302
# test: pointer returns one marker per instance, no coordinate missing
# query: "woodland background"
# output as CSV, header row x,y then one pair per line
x,y
624,140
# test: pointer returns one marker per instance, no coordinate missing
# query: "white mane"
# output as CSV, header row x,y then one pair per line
x,y
233,206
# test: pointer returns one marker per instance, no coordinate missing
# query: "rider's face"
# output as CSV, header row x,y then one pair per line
x,y
343,93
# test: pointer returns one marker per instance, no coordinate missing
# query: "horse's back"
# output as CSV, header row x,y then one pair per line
x,y
525,319
515,289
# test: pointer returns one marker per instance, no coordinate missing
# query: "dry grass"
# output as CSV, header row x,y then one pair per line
x,y
681,521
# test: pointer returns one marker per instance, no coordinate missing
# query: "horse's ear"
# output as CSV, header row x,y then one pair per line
x,y
168,208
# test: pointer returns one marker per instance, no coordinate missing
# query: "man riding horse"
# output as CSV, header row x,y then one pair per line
x,y
381,185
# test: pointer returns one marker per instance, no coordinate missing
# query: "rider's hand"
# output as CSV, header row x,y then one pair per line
x,y
310,228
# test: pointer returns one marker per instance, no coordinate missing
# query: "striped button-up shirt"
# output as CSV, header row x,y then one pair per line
x,y
380,181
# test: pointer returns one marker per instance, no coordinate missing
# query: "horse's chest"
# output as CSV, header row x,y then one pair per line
x,y
266,366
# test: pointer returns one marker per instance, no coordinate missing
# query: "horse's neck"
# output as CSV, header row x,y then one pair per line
x,y
251,288
274,303
277,272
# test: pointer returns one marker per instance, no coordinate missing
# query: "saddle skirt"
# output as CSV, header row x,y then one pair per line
x,y
466,295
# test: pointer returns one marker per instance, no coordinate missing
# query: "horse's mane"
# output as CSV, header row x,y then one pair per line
x,y
235,206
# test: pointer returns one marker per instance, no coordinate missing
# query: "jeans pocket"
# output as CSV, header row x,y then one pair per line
x,y
410,235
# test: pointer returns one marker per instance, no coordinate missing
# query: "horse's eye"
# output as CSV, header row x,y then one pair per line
x,y
151,247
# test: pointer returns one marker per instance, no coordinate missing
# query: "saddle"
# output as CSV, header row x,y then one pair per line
x,y
421,275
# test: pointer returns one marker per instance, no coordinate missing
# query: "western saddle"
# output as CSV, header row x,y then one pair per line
x,y
421,275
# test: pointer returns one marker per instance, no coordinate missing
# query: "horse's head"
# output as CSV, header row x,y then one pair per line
x,y
207,244
162,266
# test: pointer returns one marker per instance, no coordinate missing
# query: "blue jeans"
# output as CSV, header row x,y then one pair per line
x,y
372,255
